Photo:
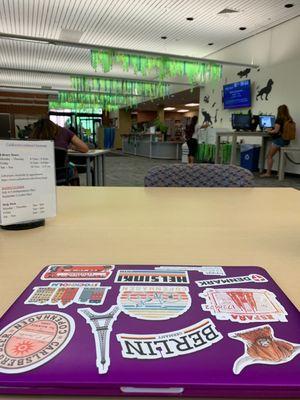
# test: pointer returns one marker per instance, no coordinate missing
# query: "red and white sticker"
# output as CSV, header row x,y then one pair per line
x,y
262,347
64,294
154,302
243,305
77,272
33,340
252,278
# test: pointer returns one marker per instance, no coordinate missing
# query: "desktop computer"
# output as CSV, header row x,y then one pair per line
x,y
266,121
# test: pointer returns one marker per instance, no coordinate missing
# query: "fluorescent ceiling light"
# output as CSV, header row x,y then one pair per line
x,y
169,108
182,111
192,104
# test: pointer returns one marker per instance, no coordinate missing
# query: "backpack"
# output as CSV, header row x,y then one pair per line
x,y
289,130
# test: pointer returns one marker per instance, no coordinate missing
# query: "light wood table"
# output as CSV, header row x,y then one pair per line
x,y
218,226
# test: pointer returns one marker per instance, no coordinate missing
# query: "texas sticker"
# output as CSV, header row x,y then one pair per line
x,y
63,294
154,302
243,305
262,347
33,340
231,281
191,339
148,276
77,272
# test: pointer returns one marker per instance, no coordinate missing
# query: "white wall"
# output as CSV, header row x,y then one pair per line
x,y
277,52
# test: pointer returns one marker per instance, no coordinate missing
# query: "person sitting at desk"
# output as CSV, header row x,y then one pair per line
x,y
63,138
283,116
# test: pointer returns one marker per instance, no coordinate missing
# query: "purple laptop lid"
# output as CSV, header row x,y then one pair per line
x,y
124,330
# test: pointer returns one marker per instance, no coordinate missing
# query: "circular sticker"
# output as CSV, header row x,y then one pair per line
x,y
33,340
154,302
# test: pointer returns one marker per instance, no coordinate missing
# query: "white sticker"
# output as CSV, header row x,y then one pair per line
x,y
262,347
33,340
154,302
63,294
101,324
243,305
152,277
232,280
67,272
204,269
191,339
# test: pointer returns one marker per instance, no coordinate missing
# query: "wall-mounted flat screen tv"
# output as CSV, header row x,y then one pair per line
x,y
237,94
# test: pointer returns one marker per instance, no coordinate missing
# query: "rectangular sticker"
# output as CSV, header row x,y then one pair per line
x,y
77,272
253,278
204,269
148,276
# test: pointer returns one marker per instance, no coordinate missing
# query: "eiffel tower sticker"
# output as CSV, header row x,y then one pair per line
x,y
101,324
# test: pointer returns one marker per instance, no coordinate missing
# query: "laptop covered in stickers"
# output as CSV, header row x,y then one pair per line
x,y
151,330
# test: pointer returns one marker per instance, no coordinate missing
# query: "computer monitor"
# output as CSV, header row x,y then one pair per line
x,y
266,121
241,122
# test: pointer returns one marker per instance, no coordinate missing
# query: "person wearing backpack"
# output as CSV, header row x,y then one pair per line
x,y
283,132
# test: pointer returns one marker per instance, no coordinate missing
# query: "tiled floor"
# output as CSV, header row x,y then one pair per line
x,y
126,170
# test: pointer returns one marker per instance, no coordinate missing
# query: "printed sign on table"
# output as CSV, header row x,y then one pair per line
x,y
154,302
253,278
33,340
243,305
63,294
191,339
148,276
77,272
262,347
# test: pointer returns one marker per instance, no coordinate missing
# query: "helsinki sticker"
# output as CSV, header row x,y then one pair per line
x,y
262,347
191,339
77,272
148,276
253,278
63,294
154,302
101,324
33,340
243,305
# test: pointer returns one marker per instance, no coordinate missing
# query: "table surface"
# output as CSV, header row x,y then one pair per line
x,y
208,226
244,133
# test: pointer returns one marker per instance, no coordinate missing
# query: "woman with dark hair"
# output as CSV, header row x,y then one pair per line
x,y
191,137
283,116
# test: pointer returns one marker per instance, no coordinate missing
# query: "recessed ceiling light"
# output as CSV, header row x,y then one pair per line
x,y
183,111
163,37
289,5
210,44
190,19
192,105
242,28
169,108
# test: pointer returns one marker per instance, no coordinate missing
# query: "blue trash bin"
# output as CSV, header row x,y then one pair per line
x,y
250,156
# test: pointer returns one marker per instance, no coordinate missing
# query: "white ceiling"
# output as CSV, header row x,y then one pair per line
x,y
131,24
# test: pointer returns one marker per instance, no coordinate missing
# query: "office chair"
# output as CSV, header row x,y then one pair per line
x,y
198,175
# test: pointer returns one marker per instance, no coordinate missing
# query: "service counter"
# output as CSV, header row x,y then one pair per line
x,y
150,145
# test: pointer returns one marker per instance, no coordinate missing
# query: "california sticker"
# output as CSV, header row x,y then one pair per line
x,y
33,340
77,272
150,277
154,302
191,339
262,347
243,305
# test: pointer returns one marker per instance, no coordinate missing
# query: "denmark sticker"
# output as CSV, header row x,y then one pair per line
x,y
101,324
33,340
154,302
243,305
63,294
77,272
262,347
170,344
253,278
148,276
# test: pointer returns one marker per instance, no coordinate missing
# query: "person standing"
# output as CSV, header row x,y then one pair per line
x,y
191,136
279,140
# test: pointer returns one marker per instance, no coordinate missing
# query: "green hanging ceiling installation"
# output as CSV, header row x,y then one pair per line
x,y
165,67
120,86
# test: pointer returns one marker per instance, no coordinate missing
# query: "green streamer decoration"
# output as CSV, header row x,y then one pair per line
x,y
196,71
